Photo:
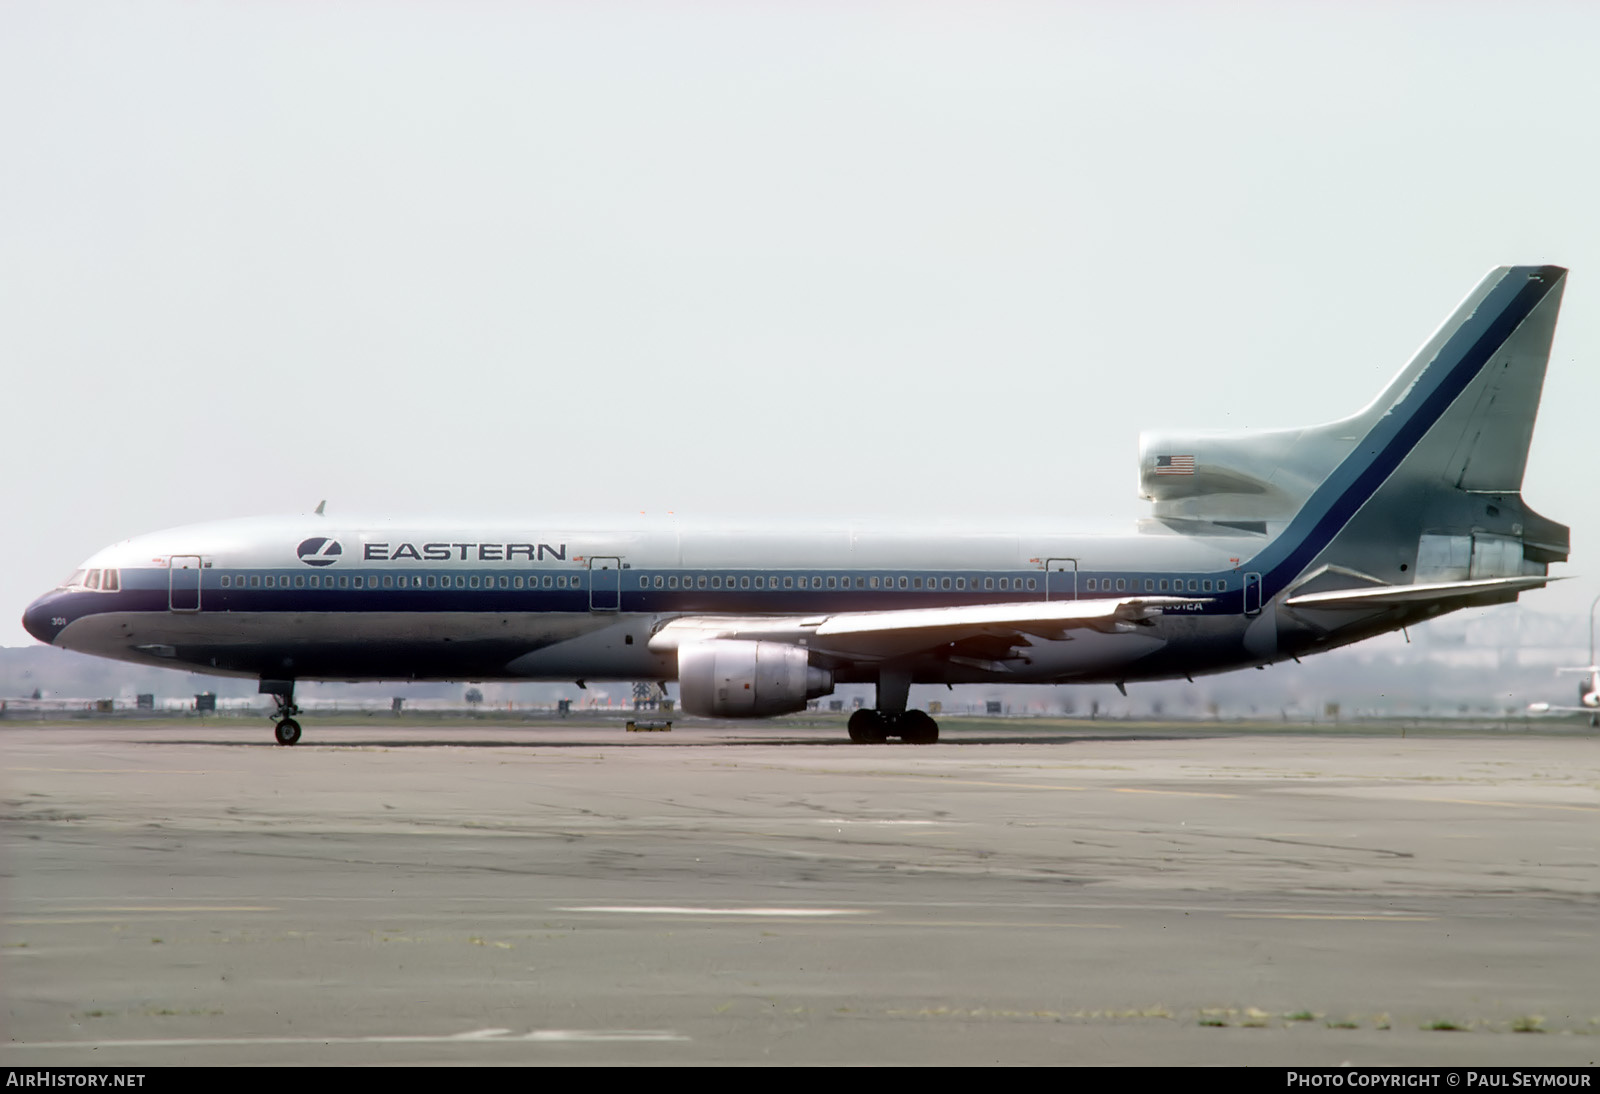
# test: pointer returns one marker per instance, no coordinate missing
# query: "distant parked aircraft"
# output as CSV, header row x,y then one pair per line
x,y
1588,696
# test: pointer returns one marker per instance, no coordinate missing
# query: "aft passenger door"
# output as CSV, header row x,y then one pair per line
x,y
183,583
1061,579
1252,594
605,584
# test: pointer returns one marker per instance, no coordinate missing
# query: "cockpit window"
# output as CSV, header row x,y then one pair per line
x,y
106,581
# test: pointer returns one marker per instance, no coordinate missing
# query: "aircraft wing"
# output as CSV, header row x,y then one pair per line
x,y
1383,596
1547,708
880,635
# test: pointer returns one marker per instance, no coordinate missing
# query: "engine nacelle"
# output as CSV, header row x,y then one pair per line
x,y
729,678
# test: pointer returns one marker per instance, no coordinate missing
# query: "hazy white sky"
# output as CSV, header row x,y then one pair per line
x,y
919,261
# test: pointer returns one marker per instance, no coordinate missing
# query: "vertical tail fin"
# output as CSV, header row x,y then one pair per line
x,y
1431,489
1422,485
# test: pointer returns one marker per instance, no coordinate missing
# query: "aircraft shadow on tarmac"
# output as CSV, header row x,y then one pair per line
x,y
721,742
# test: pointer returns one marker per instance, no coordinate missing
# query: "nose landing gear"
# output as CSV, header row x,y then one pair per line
x,y
285,730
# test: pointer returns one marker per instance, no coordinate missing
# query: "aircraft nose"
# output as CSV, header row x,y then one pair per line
x,y
41,621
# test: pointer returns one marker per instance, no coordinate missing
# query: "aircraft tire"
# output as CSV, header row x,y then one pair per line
x,y
867,727
287,732
918,728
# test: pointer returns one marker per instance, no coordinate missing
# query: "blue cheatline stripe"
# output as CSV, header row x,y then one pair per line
x,y
147,591
1333,504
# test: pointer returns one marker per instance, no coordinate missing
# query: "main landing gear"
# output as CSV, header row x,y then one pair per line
x,y
891,718
914,727
285,730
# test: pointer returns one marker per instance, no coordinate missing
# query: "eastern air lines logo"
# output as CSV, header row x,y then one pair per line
x,y
319,551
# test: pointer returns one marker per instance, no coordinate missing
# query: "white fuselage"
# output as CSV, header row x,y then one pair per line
x,y
275,598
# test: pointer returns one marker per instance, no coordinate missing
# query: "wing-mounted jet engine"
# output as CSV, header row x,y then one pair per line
x,y
729,678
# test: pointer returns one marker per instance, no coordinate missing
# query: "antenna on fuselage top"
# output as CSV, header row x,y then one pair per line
x,y
320,504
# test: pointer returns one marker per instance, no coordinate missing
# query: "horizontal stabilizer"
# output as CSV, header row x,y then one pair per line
x,y
1383,595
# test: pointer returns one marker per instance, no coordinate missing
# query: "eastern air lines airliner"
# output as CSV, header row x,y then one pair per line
x,y
1261,546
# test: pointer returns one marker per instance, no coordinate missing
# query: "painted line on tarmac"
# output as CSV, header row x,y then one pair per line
x,y
117,770
1516,805
1004,923
1380,918
477,1036
942,780
868,820
674,909
71,916
100,909
1172,793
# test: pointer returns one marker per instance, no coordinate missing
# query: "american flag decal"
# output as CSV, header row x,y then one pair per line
x,y
1174,465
